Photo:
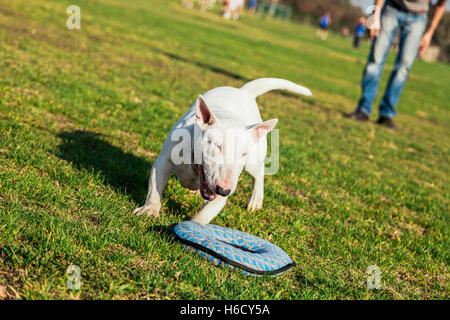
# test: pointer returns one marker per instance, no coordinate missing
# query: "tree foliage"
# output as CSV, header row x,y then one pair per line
x,y
342,12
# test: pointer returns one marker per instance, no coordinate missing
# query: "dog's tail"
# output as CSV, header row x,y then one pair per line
x,y
259,86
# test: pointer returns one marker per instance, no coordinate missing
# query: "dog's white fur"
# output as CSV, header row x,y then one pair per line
x,y
217,113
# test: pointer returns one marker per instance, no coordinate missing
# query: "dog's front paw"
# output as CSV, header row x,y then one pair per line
x,y
200,220
254,203
150,211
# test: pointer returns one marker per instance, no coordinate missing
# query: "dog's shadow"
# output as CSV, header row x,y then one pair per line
x,y
123,171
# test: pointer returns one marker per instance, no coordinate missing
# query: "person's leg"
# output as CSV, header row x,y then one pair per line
x,y
411,34
356,41
377,58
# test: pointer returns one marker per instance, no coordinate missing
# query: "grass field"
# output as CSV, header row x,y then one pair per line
x,y
83,114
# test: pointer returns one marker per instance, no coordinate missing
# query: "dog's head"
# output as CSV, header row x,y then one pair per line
x,y
225,146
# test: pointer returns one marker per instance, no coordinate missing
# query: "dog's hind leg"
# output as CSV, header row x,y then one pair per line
x,y
159,176
256,198
209,210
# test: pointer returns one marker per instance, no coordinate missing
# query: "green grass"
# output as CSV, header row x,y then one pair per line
x,y
83,115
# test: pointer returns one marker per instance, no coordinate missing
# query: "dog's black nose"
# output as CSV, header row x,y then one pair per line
x,y
221,191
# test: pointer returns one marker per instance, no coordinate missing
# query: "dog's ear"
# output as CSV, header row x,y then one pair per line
x,y
260,130
204,116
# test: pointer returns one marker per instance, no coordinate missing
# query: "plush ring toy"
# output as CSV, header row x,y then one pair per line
x,y
232,247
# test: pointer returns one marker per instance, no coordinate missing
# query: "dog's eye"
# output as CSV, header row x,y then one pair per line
x,y
244,154
219,147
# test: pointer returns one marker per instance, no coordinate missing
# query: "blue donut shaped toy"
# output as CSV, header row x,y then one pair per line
x,y
232,247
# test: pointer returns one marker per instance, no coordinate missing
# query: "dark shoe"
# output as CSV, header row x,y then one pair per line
x,y
357,115
388,122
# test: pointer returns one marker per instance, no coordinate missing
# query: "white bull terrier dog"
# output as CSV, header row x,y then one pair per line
x,y
221,134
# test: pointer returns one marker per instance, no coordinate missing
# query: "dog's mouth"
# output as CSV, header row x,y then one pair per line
x,y
205,191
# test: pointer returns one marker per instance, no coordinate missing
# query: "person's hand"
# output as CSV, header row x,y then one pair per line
x,y
424,43
374,23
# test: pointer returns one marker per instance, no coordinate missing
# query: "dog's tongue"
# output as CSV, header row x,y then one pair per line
x,y
207,194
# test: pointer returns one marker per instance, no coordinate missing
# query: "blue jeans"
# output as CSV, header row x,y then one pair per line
x,y
412,27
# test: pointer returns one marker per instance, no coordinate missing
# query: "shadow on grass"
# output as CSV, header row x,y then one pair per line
x,y
237,76
165,232
123,171
203,65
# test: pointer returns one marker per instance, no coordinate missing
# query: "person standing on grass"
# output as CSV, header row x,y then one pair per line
x,y
324,23
360,31
410,17
252,6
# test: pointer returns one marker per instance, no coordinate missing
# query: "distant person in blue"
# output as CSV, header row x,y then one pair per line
x,y
252,6
324,23
409,18
360,31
